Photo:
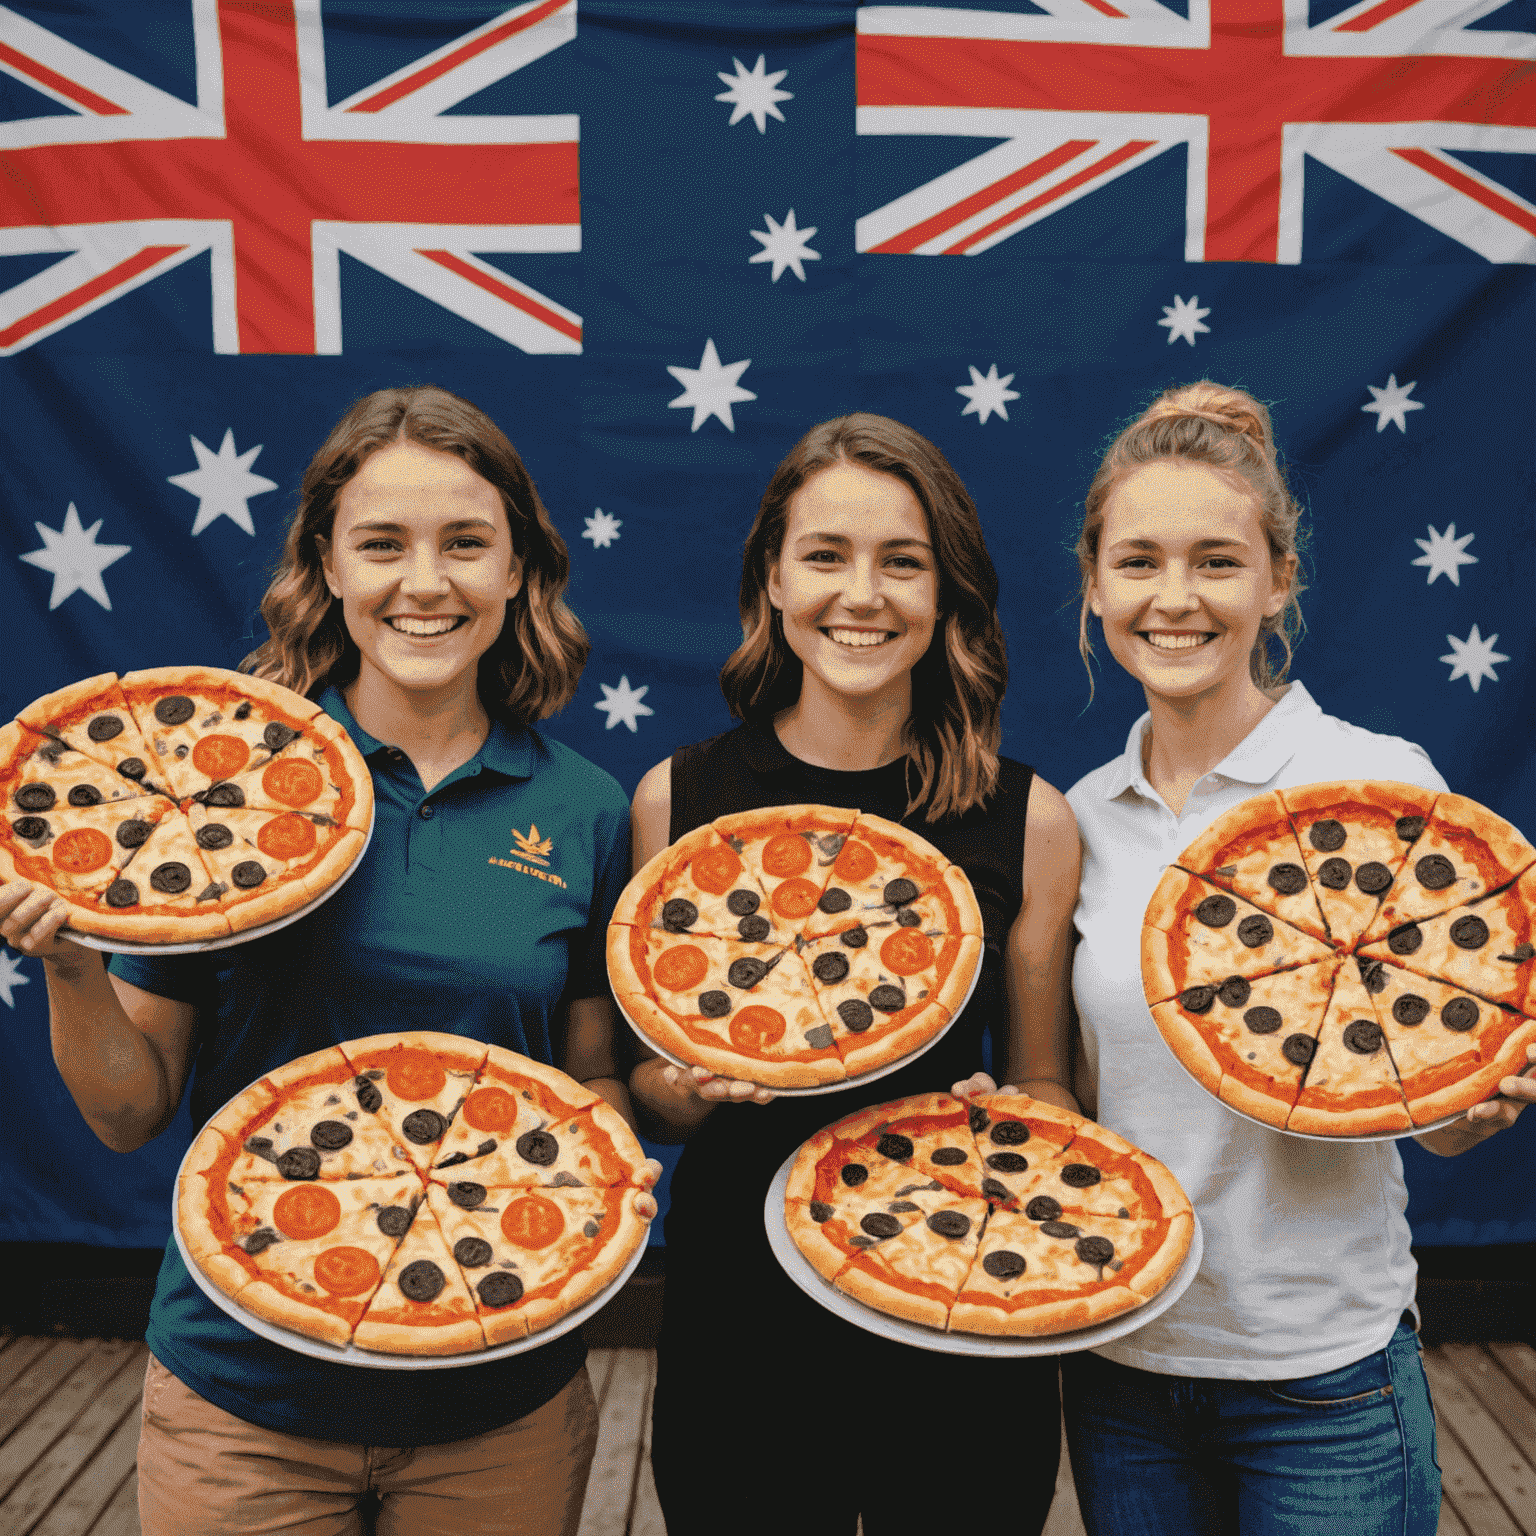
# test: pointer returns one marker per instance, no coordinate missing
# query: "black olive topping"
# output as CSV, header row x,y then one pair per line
x,y
499,1289
1469,932
421,1281
299,1163
171,878
133,834
538,1147
978,1118
31,829
745,973
331,1135
472,1252
898,893
819,1038
214,834
1434,872
104,728
830,968
714,1005
1263,1021
854,938
856,1014
1256,930
1007,1162
1298,1049
895,1146
1080,1175
743,903
1410,1009
132,768
888,999
854,1174
1405,938
950,1157
467,1194
368,1096
1363,1036
424,1126
878,1224
1234,992
1216,911
1334,874
224,797
83,795
1043,1208
1003,1264
1460,1014
1287,879
260,1240
755,928
678,915
1095,1250
1373,975
121,893
1197,999
248,874
1327,836
1010,1133
834,900
277,736
1373,878
394,1220
1061,1229
950,1224
820,1211
36,797
176,709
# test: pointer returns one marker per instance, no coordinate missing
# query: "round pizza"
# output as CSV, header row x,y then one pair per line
x,y
1350,958
998,1215
795,946
180,804
416,1193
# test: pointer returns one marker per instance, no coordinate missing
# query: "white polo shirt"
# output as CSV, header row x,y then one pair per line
x,y
1306,1264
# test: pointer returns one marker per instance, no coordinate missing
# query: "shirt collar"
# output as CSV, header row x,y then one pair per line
x,y
506,751
763,750
1256,759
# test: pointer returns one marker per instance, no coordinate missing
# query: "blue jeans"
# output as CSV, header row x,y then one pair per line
x,y
1348,1453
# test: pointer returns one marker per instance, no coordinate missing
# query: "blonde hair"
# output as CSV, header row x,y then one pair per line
x,y
955,727
1229,430
535,663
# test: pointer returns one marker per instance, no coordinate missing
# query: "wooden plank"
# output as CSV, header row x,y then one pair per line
x,y
18,1355
121,1516
600,1369
1518,1362
645,1517
1473,1501
48,1371
619,1433
1497,1457
1450,1524
1065,1518
71,1452
1478,1369
92,1488
56,1412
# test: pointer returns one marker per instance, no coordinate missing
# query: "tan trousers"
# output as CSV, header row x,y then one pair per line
x,y
204,1472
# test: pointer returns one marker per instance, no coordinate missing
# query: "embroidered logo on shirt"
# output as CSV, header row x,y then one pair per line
x,y
534,849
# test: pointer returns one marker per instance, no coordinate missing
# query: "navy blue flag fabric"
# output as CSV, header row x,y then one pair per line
x,y
658,240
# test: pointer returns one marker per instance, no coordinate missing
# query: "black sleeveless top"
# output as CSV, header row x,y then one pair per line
x,y
726,1168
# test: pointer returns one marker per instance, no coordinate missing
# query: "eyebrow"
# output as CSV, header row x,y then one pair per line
x,y
839,538
1198,544
388,527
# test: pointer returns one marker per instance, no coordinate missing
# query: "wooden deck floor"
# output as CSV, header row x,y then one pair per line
x,y
69,1421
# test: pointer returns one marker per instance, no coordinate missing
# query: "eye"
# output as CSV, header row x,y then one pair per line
x,y
1135,563
468,541
906,563
822,557
378,545
1223,563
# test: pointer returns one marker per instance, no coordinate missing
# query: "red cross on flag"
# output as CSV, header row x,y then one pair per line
x,y
275,181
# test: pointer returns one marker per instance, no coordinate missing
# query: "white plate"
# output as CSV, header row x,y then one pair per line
x,y
820,1088
199,946
318,1349
804,1274
1417,1130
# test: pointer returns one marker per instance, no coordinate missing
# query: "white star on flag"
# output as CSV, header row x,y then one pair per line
x,y
1392,403
1186,320
753,94
223,483
1473,658
711,388
74,559
623,704
785,246
602,529
1444,553
10,977
987,394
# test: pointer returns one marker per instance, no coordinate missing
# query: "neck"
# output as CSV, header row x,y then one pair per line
x,y
1189,736
438,729
834,730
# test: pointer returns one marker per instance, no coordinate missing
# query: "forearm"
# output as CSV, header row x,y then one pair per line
x,y
664,1114
615,1092
113,1073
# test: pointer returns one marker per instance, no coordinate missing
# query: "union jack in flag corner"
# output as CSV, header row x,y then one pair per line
x,y
657,239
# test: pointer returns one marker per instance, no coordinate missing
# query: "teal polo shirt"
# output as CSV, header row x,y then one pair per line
x,y
477,909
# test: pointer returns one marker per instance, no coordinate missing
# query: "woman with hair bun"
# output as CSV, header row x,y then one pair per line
x,y
419,600
1283,1392
870,675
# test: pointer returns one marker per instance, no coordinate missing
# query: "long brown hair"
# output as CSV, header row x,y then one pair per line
x,y
1226,428
535,663
955,727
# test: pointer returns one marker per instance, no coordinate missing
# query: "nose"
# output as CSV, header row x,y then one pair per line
x,y
859,589
1175,591
425,575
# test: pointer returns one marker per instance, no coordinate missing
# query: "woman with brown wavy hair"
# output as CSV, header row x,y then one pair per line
x,y
419,601
870,674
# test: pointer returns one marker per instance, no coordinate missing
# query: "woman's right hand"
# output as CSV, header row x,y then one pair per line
x,y
30,919
701,1083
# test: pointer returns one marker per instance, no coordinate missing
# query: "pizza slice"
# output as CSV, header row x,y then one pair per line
x,y
1252,852
789,852
1463,853
1101,1174
415,1083
1355,837
882,1000
270,864
422,1306
205,724
1248,1042
92,718
743,1010
164,894
41,773
884,877
314,775
1196,934
530,1257
1350,1087
78,852
1014,1134
1451,1050
701,885
305,1256
586,1148
917,1274
931,1134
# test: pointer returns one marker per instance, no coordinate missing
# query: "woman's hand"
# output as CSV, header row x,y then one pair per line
x,y
977,1082
645,1204
30,919
700,1082
1488,1118
1046,1089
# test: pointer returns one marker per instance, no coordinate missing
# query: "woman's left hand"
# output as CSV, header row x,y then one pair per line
x,y
645,1204
1488,1118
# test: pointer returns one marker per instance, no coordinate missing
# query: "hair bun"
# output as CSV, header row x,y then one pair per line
x,y
1233,409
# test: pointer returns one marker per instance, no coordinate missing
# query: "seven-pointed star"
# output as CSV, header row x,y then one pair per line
x,y
785,246
10,976
602,529
753,93
1184,319
1392,403
74,559
623,704
711,388
223,483
1473,658
1444,553
987,393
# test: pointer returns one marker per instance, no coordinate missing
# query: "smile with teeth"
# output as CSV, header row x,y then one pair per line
x,y
411,624
859,637
1185,640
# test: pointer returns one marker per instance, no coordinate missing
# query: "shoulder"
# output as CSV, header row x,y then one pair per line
x,y
1092,786
1050,812
578,776
1331,748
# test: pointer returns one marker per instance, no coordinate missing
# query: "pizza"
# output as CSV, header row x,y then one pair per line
x,y
1347,958
414,1193
995,1215
180,804
793,947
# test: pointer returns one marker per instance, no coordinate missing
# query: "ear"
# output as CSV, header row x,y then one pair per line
x,y
775,587
326,565
514,578
1284,574
1095,607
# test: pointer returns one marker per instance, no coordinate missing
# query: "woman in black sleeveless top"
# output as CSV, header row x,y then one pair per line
x,y
871,676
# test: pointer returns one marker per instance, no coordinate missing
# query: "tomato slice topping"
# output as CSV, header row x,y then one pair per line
x,y
415,1075
680,968
715,870
292,781
306,1210
220,757
346,1271
756,1026
907,951
856,862
532,1222
81,851
796,898
786,854
287,836
490,1109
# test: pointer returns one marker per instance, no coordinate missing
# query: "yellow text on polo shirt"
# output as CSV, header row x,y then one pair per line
x,y
533,848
